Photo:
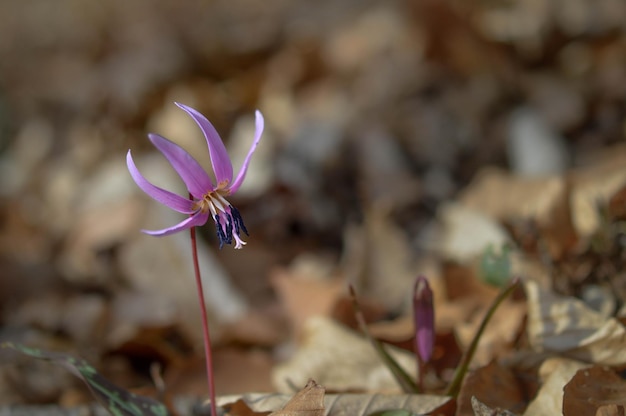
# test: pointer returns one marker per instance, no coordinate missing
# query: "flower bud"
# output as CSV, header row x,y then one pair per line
x,y
423,319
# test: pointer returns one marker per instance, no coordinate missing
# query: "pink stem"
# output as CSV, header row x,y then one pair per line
x,y
205,323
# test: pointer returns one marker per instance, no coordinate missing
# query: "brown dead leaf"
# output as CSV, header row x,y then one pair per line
x,y
340,359
545,200
593,389
367,404
611,410
306,293
494,385
555,373
241,408
481,409
462,283
237,370
307,402
356,404
259,327
379,256
466,232
599,182
567,326
499,335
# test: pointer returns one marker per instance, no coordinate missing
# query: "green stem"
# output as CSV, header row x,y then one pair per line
x,y
401,376
461,370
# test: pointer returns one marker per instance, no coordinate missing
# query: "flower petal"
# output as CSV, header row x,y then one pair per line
x,y
193,221
260,123
196,179
222,165
167,198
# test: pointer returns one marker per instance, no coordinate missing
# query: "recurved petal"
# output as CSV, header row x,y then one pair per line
x,y
193,221
222,165
258,131
167,198
196,179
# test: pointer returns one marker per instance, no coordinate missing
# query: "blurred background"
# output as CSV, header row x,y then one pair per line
x,y
377,113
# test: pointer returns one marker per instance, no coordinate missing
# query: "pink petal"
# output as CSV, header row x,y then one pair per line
x,y
196,179
167,198
193,221
222,165
260,123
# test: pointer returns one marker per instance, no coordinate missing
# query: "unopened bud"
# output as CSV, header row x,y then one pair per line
x,y
423,319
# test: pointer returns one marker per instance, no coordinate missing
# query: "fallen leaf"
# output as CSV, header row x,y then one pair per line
x,y
379,257
611,410
567,326
592,389
481,409
599,182
340,359
467,232
499,335
556,373
307,402
237,370
493,385
356,404
306,293
241,408
542,199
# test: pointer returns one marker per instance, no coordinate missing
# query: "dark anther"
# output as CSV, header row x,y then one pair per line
x,y
229,228
220,232
239,225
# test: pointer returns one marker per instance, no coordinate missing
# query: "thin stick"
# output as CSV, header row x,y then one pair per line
x,y
205,323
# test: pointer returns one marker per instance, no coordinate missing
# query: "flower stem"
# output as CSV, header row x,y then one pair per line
x,y
402,378
455,386
205,324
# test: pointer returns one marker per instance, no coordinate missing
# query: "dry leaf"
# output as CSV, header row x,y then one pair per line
x,y
307,402
357,404
238,370
493,385
567,326
536,198
466,232
340,359
499,335
597,183
556,373
241,408
481,409
306,294
592,389
611,410
543,198
379,255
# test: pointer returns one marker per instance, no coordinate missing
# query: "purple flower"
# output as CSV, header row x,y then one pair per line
x,y
424,319
206,199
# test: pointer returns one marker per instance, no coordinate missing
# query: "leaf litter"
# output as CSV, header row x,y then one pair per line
x,y
396,147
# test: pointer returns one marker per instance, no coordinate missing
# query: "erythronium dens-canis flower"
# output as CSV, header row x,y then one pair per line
x,y
206,198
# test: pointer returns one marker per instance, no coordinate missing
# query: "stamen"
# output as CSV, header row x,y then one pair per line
x,y
229,228
220,232
238,220
211,206
214,198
